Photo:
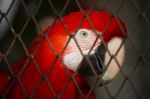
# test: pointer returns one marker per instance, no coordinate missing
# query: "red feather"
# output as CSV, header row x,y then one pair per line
x,y
58,81
4,77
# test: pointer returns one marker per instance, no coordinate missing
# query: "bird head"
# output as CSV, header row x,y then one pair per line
x,y
91,43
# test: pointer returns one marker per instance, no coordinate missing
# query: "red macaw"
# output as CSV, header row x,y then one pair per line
x,y
52,70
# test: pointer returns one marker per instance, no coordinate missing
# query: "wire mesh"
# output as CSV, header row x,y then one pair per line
x,y
25,28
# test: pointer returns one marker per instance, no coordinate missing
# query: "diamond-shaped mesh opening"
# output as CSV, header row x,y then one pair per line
x,y
41,70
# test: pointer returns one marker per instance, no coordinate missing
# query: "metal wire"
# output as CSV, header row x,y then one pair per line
x,y
31,16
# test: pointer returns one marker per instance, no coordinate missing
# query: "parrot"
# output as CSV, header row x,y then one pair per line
x,y
82,43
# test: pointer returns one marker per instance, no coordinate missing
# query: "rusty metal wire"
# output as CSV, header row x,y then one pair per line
x,y
31,16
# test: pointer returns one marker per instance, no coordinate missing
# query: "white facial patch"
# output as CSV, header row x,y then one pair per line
x,y
72,57
72,60
113,68
85,39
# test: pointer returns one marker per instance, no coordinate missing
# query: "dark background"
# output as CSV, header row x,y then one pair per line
x,y
135,13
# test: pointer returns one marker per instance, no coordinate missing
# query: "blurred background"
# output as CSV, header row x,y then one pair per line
x,y
25,19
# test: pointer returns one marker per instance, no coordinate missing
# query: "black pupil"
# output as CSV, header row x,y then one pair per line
x,y
84,33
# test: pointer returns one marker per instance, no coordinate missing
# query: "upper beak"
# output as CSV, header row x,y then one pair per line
x,y
93,63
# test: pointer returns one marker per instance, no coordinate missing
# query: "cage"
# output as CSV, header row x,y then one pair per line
x,y
21,21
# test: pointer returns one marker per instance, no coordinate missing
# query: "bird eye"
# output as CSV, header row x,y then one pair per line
x,y
83,34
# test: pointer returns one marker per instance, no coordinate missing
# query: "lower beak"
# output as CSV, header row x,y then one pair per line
x,y
93,63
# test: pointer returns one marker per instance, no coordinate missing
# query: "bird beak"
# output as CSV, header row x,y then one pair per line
x,y
93,63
